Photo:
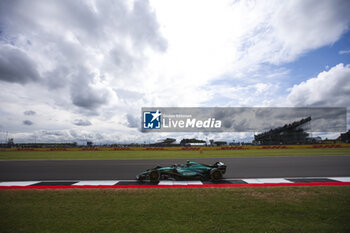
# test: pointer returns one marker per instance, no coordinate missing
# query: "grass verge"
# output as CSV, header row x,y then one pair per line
x,y
268,209
47,155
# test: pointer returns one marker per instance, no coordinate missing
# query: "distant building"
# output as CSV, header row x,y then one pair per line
x,y
294,133
345,137
192,142
220,143
196,144
316,139
42,145
165,142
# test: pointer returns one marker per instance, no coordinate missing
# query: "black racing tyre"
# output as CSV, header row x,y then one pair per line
x,y
215,175
154,176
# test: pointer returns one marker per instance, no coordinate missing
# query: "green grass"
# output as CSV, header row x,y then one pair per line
x,y
24,155
259,209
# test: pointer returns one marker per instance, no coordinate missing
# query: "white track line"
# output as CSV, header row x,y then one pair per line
x,y
194,182
18,183
266,181
274,180
169,182
97,182
341,179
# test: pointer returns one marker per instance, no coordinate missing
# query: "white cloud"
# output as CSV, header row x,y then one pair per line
x,y
341,52
329,88
238,41
81,122
29,112
303,25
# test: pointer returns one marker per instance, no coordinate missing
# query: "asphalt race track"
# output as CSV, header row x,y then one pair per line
x,y
247,167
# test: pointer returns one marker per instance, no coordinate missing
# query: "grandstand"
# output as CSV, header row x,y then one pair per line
x,y
345,137
192,142
165,142
294,133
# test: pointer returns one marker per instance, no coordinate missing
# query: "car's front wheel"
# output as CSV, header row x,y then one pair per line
x,y
215,175
154,176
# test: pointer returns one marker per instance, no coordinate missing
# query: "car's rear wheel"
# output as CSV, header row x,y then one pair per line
x,y
215,175
154,176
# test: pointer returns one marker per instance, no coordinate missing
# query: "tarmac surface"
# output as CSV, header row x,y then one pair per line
x,y
241,167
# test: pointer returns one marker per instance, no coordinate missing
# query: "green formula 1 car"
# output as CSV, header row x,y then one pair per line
x,y
190,170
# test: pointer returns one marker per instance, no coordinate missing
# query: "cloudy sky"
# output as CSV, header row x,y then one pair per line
x,y
82,70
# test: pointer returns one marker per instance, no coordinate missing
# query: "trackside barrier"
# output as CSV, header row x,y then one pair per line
x,y
91,149
327,146
190,148
248,147
231,148
155,148
121,148
274,147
